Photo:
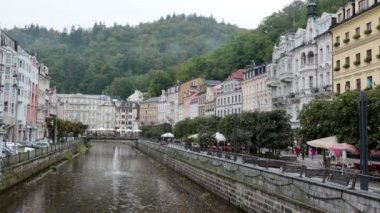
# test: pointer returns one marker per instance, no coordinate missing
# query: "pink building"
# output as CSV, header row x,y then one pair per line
x,y
31,120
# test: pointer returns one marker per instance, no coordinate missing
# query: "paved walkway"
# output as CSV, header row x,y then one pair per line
x,y
315,163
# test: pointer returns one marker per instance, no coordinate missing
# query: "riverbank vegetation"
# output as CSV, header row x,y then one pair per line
x,y
340,117
65,128
255,130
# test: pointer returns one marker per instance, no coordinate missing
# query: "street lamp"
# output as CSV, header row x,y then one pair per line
x,y
235,137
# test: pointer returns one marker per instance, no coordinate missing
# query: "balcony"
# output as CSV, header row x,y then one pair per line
x,y
308,67
279,101
273,82
286,77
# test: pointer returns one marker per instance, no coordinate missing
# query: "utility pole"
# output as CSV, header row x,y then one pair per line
x,y
363,141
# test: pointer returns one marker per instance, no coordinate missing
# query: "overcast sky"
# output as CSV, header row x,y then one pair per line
x,y
65,13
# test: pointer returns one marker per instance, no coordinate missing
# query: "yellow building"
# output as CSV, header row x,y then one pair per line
x,y
356,41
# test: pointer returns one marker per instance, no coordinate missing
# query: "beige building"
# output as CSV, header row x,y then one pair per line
x,y
148,112
356,52
256,95
185,90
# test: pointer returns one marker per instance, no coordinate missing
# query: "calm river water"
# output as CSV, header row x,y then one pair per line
x,y
111,178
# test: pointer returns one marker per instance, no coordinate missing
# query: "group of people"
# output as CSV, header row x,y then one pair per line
x,y
304,151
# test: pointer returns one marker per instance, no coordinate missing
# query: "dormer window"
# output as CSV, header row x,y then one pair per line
x,y
363,4
340,17
349,13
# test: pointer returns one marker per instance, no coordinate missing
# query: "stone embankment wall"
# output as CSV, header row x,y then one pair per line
x,y
17,168
260,190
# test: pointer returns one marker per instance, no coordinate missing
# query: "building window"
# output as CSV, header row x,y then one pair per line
x,y
5,106
357,62
337,65
347,64
348,13
357,31
338,88
369,53
347,87
369,28
363,4
369,82
311,82
358,84
339,17
347,37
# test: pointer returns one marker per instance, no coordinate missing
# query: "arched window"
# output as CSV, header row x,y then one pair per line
x,y
310,57
303,59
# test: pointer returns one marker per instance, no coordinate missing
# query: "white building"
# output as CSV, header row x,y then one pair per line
x,y
23,97
137,96
9,78
298,74
256,95
173,99
229,96
43,101
89,109
108,114
163,108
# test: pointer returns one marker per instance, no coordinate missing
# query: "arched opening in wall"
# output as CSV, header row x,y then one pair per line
x,y
303,59
310,58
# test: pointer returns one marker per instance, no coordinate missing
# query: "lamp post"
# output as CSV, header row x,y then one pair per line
x,y
363,141
235,137
2,133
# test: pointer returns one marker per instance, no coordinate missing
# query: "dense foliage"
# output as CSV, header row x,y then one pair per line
x,y
340,117
88,60
151,56
155,131
65,128
254,129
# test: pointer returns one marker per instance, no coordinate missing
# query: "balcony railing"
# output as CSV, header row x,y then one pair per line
x,y
286,77
273,82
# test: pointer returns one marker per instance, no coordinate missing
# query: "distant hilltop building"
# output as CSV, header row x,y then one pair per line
x,y
137,96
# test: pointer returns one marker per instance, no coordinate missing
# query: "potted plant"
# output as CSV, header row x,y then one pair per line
x,y
336,68
356,36
336,44
368,59
356,63
346,66
367,31
346,40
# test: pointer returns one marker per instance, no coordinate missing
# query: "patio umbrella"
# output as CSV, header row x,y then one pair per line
x,y
195,136
219,137
343,147
323,143
167,135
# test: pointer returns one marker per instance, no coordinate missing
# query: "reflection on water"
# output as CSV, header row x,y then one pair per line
x,y
110,178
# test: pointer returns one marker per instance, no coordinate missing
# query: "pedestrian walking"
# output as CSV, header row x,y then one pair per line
x,y
312,153
298,150
303,154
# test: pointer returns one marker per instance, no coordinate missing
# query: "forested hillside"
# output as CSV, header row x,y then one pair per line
x,y
87,60
152,56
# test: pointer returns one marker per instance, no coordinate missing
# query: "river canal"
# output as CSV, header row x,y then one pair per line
x,y
111,178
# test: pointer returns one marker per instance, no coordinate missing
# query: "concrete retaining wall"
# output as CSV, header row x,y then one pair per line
x,y
13,173
260,190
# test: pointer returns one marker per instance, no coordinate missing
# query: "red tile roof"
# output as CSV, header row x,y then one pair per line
x,y
237,75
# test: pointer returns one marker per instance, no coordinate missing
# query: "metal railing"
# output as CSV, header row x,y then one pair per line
x,y
345,177
11,160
